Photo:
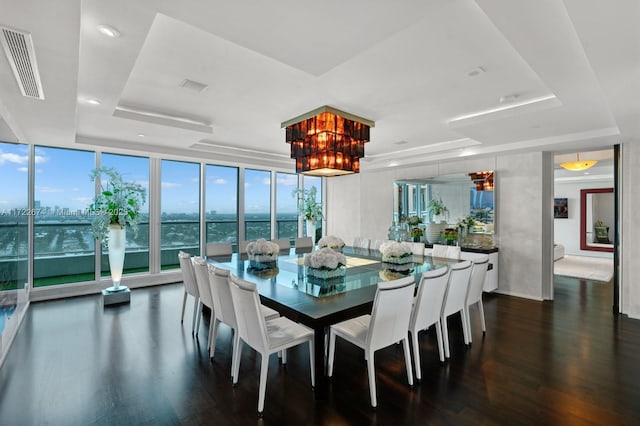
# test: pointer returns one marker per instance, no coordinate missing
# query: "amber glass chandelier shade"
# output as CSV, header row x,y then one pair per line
x,y
578,165
327,142
483,181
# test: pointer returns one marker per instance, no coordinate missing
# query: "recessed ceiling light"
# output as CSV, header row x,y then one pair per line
x,y
476,71
401,143
508,98
587,173
142,135
108,30
93,101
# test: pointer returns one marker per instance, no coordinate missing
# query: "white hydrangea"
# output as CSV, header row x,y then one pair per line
x,y
262,247
395,249
325,258
331,241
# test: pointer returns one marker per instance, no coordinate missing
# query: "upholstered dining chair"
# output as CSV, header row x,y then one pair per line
x,y
447,252
387,325
265,337
375,244
219,249
204,290
190,286
417,249
283,243
426,311
361,242
304,243
474,295
455,300
224,310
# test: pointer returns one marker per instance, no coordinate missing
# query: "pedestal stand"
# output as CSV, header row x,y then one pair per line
x,y
116,295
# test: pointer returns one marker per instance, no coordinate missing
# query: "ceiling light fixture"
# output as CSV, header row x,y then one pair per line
x,y
93,101
502,108
578,165
482,180
327,141
108,30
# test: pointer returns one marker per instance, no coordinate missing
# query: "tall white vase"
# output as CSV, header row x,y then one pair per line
x,y
311,231
433,231
117,238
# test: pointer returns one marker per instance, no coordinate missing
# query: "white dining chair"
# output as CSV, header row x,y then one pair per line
x,y
190,286
426,311
201,271
304,243
375,244
265,337
474,295
219,249
455,299
447,252
283,243
224,311
361,242
417,249
387,325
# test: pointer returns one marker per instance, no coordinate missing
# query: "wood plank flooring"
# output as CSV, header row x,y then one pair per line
x,y
570,361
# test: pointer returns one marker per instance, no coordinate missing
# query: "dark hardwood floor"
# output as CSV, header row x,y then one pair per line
x,y
570,361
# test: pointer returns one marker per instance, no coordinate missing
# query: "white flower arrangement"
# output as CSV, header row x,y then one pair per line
x,y
325,258
396,252
332,242
262,247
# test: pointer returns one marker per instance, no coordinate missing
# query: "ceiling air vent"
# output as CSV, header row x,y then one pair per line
x,y
18,46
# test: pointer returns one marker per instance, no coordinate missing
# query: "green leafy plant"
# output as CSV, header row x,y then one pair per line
x,y
308,207
437,207
117,203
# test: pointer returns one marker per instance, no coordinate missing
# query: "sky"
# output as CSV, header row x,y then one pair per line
x,y
62,179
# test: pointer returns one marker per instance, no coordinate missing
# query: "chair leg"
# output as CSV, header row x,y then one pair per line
x,y
184,304
284,357
312,362
195,315
372,379
465,332
481,308
416,353
198,316
263,382
332,350
439,337
407,360
214,335
235,357
468,323
445,335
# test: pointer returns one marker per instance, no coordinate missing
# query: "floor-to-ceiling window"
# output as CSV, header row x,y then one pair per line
x,y
14,237
221,211
286,206
257,204
64,246
134,169
180,211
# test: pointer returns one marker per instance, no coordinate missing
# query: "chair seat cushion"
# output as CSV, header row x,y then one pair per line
x,y
269,313
354,330
282,331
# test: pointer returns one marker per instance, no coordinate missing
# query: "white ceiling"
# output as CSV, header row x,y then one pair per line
x,y
403,64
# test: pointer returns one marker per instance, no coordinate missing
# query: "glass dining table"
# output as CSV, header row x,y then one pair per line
x,y
285,286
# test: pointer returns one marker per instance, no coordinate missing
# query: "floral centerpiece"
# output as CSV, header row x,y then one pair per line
x,y
396,252
325,263
331,241
413,220
449,236
262,254
416,233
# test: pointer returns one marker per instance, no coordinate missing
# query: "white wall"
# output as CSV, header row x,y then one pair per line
x,y
567,231
630,266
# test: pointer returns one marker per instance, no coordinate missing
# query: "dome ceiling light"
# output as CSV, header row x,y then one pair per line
x,y
578,165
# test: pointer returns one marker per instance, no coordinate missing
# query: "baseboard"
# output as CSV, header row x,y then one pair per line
x,y
522,296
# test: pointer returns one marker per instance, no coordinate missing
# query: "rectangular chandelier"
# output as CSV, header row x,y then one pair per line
x,y
482,180
327,141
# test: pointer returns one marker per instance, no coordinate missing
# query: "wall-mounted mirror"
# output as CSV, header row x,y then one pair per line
x,y
464,195
596,219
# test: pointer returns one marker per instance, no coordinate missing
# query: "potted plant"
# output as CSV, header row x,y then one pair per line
x,y
115,207
434,229
309,209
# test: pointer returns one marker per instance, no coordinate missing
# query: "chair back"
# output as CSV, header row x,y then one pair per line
x,y
219,249
478,274
283,243
252,327
202,280
391,312
221,293
188,275
457,289
417,249
304,242
447,252
430,297
361,242
375,245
